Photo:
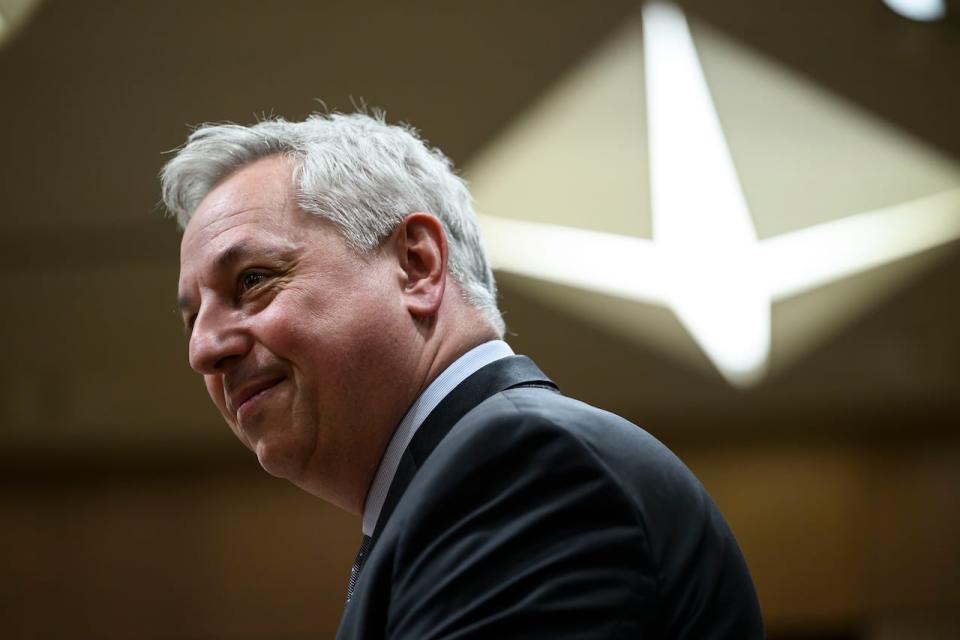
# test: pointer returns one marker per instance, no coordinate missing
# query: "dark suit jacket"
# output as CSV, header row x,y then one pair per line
x,y
519,513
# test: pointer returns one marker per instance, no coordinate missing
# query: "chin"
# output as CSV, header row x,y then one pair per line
x,y
279,458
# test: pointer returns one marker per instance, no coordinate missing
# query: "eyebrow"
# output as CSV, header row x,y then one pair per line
x,y
240,252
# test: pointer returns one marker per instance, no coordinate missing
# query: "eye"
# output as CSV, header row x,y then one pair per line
x,y
250,279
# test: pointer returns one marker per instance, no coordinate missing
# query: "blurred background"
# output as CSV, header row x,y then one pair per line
x,y
128,510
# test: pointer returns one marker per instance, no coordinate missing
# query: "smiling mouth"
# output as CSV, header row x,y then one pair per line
x,y
248,403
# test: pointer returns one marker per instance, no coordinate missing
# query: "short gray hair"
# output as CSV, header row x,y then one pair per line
x,y
355,170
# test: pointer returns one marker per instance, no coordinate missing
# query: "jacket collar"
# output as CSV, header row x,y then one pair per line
x,y
500,375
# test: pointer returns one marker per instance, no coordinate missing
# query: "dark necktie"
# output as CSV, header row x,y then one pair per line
x,y
358,565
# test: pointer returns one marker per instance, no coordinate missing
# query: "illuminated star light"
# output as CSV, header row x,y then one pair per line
x,y
705,262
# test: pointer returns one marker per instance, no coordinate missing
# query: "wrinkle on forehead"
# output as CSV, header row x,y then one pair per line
x,y
214,218
212,231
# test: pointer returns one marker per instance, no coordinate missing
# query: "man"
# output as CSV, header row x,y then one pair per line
x,y
343,315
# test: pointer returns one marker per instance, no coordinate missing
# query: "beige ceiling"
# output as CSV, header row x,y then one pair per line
x,y
93,93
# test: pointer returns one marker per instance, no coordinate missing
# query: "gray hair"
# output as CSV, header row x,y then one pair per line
x,y
355,170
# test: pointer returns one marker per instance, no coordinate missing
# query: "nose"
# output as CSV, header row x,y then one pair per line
x,y
216,340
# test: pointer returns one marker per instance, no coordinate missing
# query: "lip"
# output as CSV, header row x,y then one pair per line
x,y
249,393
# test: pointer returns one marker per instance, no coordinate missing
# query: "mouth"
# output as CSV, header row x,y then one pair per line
x,y
247,399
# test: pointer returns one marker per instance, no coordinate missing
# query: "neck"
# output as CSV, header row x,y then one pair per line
x,y
464,330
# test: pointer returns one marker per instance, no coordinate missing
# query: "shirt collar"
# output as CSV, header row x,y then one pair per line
x,y
461,369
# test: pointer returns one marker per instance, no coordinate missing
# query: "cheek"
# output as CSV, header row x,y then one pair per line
x,y
327,323
299,322
287,333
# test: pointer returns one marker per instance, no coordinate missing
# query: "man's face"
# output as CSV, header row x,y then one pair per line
x,y
299,338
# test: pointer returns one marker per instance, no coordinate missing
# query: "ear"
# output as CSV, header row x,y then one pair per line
x,y
422,253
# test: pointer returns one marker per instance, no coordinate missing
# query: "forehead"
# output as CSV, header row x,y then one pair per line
x,y
257,199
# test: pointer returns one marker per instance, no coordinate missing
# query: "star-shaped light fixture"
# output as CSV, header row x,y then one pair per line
x,y
705,261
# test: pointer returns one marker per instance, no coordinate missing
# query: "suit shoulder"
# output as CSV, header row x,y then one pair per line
x,y
517,417
527,426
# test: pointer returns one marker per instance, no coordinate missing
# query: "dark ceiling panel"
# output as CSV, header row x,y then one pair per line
x,y
906,72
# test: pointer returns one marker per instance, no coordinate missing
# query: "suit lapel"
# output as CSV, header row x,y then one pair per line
x,y
500,375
